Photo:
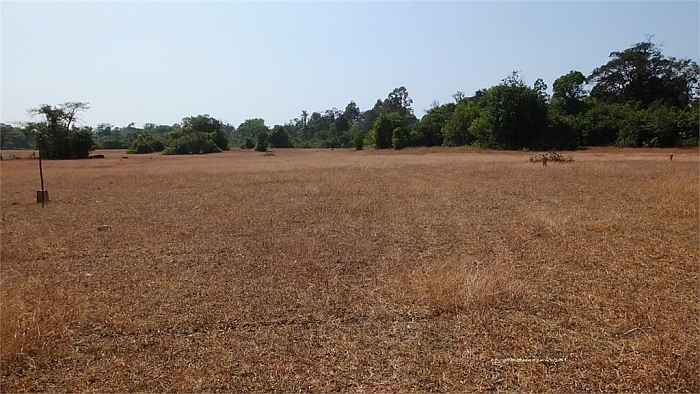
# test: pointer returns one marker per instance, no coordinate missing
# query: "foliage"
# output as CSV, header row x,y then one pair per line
x,y
250,128
642,74
185,143
560,133
456,130
249,143
207,125
57,136
517,114
639,97
429,131
140,145
384,127
398,138
279,138
13,138
358,140
261,145
568,92
480,130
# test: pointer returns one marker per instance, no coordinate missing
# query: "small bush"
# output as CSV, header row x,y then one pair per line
x,y
261,145
550,156
398,138
359,140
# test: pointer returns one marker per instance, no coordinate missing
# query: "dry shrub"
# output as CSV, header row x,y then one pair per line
x,y
454,287
551,156
35,316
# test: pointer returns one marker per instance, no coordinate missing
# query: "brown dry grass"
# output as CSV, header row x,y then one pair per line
x,y
352,271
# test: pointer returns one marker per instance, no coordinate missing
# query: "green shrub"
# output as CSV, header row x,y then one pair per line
x,y
359,140
191,143
140,145
249,143
261,145
398,138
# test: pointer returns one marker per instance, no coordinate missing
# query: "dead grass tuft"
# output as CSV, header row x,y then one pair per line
x,y
456,287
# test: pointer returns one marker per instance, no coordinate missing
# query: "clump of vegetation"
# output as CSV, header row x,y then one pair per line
x,y
58,137
261,145
278,138
248,144
146,144
453,287
359,140
398,139
198,134
550,156
192,143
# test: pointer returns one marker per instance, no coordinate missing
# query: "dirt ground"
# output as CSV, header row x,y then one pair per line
x,y
335,270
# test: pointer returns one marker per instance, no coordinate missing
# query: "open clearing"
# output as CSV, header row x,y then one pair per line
x,y
319,270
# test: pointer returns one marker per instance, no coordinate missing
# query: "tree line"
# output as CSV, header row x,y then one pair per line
x,y
639,98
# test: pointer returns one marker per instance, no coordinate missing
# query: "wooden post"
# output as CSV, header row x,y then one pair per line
x,y
42,196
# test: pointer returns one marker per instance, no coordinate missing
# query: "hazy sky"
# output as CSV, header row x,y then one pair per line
x,y
159,62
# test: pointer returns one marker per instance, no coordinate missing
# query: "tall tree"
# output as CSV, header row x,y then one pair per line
x,y
57,136
279,138
352,112
399,101
568,92
250,128
516,113
383,129
644,75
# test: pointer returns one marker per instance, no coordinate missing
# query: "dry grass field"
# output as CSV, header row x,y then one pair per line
x,y
319,270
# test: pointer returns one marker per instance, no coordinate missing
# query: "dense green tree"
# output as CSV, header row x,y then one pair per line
x,y
560,132
568,92
57,136
399,101
398,138
429,131
644,75
358,138
517,114
206,124
251,128
279,138
383,129
261,145
140,145
456,130
352,112
367,118
601,122
12,138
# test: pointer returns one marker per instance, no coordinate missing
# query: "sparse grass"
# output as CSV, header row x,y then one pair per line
x,y
318,270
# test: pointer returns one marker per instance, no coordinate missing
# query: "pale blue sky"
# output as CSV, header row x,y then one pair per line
x,y
159,62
